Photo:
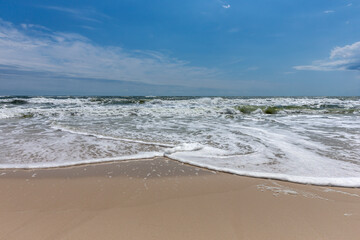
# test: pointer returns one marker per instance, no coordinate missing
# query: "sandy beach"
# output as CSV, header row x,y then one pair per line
x,y
163,199
179,120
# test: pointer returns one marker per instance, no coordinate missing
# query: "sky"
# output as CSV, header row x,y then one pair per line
x,y
188,47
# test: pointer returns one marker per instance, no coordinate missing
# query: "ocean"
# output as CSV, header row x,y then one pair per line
x,y
310,140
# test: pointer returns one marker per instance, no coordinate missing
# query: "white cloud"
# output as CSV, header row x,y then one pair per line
x,y
73,55
341,58
62,9
329,11
87,27
33,26
86,14
224,4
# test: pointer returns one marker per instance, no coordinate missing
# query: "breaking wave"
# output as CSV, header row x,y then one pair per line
x,y
305,140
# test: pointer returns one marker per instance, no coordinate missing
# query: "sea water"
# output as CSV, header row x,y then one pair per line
x,y
312,140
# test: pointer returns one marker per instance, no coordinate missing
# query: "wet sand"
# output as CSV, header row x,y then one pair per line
x,y
164,199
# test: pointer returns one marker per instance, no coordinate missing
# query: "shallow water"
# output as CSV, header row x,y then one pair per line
x,y
307,140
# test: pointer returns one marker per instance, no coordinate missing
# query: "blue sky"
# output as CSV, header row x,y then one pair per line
x,y
196,47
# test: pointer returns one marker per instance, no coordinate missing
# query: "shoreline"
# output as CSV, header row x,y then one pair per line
x,y
161,198
268,176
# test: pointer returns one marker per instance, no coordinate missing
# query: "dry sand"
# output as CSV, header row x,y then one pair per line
x,y
163,199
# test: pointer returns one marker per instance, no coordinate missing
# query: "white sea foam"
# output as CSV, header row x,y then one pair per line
x,y
308,140
78,162
57,127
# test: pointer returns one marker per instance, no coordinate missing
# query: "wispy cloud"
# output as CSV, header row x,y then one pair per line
x,y
62,9
224,4
87,27
33,26
86,14
341,58
73,55
329,11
